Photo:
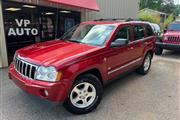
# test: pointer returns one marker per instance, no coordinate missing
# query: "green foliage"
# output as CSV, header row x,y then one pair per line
x,y
161,6
151,4
168,21
167,8
149,17
177,10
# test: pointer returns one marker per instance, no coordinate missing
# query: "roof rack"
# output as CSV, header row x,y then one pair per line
x,y
117,19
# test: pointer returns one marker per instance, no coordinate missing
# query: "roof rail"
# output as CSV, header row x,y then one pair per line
x,y
117,19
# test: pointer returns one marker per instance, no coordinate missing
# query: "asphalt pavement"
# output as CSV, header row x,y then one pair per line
x,y
132,97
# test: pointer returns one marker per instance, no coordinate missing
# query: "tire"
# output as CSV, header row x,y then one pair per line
x,y
158,51
145,67
85,95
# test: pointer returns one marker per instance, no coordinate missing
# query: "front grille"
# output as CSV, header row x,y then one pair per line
x,y
24,68
174,38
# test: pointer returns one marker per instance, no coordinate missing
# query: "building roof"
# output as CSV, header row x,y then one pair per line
x,y
153,11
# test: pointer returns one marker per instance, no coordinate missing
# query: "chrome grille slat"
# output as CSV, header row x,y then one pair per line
x,y
30,71
174,38
19,63
24,68
16,63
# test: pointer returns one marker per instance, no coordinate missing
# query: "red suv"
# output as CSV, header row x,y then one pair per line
x,y
170,39
74,69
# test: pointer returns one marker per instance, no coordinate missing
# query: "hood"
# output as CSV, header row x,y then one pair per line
x,y
55,52
172,33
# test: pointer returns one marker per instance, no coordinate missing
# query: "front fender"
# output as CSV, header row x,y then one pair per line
x,y
73,71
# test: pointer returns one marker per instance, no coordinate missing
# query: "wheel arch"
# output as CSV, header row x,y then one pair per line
x,y
151,52
94,71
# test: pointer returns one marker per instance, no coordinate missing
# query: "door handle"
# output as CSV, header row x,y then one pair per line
x,y
131,48
146,43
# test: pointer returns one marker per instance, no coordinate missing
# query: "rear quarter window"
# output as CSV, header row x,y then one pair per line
x,y
138,32
149,30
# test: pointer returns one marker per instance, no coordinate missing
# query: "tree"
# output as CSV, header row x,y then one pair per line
x,y
152,4
177,10
167,8
160,5
168,20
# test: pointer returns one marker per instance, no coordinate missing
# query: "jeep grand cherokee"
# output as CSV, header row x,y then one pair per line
x,y
74,69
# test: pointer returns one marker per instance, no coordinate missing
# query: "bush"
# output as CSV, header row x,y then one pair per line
x,y
169,20
149,17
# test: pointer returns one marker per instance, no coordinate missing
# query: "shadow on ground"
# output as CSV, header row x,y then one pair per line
x,y
171,54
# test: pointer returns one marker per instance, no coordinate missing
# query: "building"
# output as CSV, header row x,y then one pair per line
x,y
25,22
162,16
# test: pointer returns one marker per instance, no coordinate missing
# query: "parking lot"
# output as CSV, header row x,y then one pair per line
x,y
132,97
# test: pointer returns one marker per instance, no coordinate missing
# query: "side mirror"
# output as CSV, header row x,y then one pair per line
x,y
119,42
165,30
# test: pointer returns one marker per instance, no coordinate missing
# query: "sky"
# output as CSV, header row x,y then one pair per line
x,y
177,1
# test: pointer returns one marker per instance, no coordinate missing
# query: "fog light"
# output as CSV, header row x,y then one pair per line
x,y
46,92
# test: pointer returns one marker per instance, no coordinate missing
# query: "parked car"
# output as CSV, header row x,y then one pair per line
x,y
170,39
156,28
74,69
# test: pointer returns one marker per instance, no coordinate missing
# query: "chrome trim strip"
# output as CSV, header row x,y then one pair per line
x,y
26,62
140,40
160,43
126,65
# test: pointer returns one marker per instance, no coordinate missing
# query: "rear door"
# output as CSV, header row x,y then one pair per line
x,y
138,42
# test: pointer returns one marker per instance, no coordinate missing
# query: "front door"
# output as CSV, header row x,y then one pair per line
x,y
119,57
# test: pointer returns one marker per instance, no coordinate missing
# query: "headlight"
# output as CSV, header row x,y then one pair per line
x,y
48,74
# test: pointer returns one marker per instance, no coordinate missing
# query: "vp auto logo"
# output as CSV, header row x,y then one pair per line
x,y
22,28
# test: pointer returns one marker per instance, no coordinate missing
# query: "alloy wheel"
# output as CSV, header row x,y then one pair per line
x,y
83,95
147,63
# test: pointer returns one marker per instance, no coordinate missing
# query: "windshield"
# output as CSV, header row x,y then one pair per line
x,y
95,35
175,27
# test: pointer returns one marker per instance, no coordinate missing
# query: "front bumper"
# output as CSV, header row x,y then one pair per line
x,y
55,92
168,46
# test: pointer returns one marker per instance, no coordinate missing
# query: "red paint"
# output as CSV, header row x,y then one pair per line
x,y
172,37
74,59
87,4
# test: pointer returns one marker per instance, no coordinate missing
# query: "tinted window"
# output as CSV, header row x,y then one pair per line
x,y
123,33
149,31
89,34
174,26
138,32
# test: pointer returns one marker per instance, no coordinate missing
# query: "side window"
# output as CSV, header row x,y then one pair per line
x,y
138,32
123,33
149,31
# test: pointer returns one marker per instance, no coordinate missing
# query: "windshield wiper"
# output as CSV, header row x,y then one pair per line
x,y
75,41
